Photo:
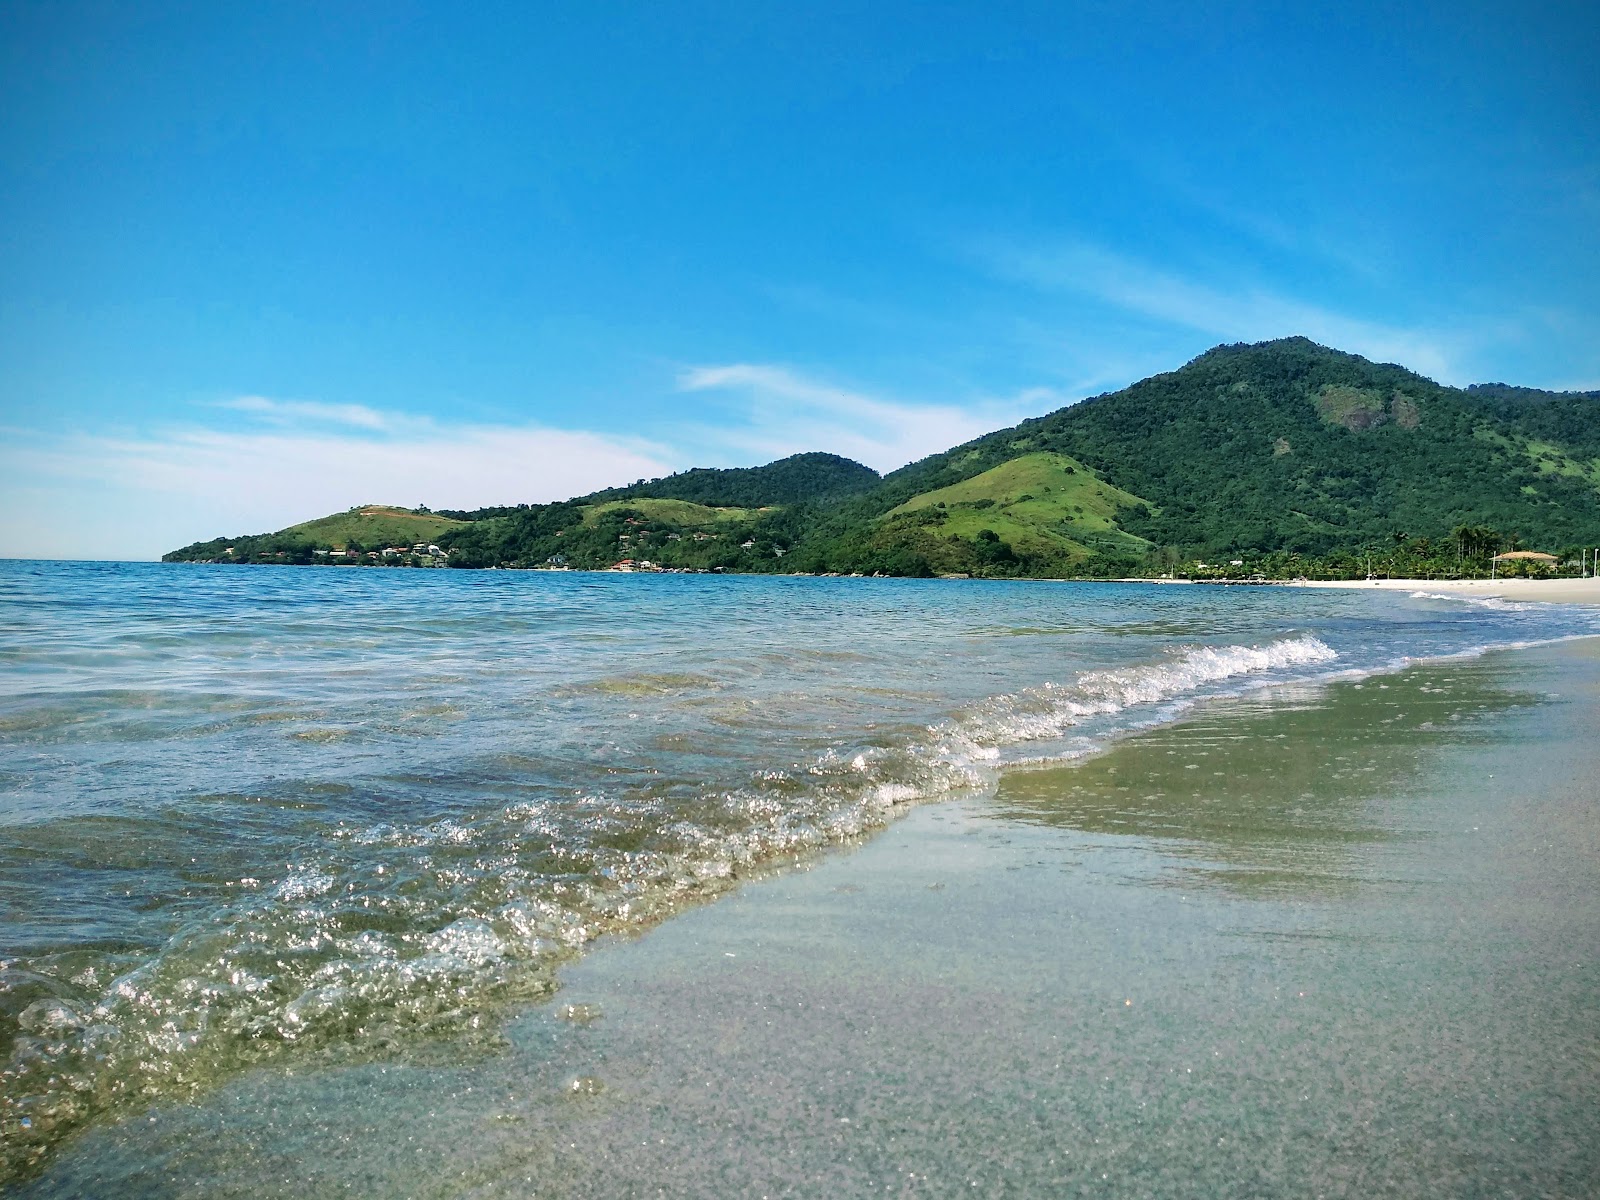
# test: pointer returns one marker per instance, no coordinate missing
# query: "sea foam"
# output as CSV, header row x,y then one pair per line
x,y
1496,603
1052,709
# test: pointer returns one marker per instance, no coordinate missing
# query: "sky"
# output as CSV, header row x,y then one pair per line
x,y
262,263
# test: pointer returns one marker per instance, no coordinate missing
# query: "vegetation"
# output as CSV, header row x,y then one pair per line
x,y
367,527
1279,459
801,478
666,533
1039,514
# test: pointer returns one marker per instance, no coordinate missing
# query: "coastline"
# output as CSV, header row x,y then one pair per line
x,y
1561,591
1119,976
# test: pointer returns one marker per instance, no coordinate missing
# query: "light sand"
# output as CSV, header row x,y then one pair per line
x,y
1565,591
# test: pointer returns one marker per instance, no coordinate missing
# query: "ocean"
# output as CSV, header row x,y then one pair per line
x,y
310,819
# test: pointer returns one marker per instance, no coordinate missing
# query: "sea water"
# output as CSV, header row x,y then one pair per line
x,y
305,816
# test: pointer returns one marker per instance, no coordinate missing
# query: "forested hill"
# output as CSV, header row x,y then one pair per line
x,y
1275,454
799,479
1291,446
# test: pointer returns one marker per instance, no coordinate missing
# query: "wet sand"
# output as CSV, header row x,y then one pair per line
x,y
1338,942
1568,591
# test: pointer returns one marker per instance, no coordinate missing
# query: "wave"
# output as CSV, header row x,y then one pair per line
x,y
1490,602
1052,709
383,935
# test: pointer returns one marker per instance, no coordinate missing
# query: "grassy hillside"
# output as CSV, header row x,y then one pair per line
x,y
1044,508
373,526
365,527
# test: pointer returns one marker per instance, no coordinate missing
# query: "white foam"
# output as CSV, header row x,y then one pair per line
x,y
1049,711
1491,602
304,883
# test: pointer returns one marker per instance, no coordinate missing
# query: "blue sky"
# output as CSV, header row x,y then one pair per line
x,y
262,263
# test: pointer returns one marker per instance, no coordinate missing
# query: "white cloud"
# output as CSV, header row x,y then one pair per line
x,y
290,412
1234,313
138,496
785,413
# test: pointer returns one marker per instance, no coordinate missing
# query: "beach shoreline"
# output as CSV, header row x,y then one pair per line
x,y
1559,591
1122,974
1553,591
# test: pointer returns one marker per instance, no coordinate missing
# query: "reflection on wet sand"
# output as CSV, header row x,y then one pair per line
x,y
1274,793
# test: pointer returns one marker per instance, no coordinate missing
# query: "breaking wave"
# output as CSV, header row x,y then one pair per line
x,y
1495,603
1049,711
386,933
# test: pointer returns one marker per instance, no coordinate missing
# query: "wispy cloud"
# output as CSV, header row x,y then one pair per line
x,y
784,412
294,412
137,496
1231,313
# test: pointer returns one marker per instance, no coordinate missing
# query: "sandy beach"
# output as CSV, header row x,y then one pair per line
x,y
1332,943
1568,591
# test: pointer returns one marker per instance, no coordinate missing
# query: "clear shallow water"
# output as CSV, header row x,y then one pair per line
x,y
277,815
1357,964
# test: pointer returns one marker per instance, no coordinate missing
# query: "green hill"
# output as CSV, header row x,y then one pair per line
x,y
799,479
1042,513
363,528
373,526
1286,456
1285,447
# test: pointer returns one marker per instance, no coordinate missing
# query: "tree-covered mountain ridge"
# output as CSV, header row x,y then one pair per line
x,y
1282,455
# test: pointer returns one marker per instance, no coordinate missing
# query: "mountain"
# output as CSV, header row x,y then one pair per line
x,y
1286,455
1289,446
